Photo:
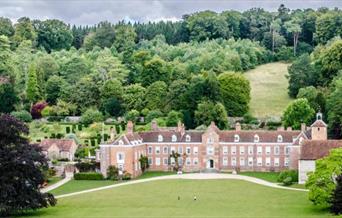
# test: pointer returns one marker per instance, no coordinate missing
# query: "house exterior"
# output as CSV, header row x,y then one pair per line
x,y
59,148
210,150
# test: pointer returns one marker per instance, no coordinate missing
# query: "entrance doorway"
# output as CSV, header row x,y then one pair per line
x,y
210,164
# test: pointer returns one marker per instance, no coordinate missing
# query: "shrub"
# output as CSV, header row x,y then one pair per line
x,y
85,166
79,127
126,176
67,129
63,159
285,54
287,181
88,176
36,110
112,173
287,177
153,115
336,202
91,116
22,116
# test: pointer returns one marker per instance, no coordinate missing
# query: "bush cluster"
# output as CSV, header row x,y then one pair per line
x,y
88,176
288,177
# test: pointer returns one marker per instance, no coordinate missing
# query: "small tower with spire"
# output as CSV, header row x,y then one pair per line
x,y
319,128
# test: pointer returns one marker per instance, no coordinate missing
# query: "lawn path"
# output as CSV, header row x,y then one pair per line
x,y
195,176
67,178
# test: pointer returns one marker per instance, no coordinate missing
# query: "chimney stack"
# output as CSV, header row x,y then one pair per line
x,y
280,128
130,127
154,125
237,126
289,128
303,127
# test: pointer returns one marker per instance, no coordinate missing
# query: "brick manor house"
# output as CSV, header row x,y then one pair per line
x,y
214,149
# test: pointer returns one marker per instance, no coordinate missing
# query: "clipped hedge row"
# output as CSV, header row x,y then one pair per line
x,y
88,176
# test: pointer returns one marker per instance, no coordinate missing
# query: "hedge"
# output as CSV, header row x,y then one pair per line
x,y
88,176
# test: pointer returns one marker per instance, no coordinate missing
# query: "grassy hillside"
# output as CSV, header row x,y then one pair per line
x,y
269,89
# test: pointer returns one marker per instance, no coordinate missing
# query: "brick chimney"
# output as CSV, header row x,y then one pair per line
x,y
130,127
280,128
303,127
289,128
154,125
237,126
181,128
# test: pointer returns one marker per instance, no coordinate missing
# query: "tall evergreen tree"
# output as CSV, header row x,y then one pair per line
x,y
32,88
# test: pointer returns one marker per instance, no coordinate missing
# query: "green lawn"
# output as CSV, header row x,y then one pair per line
x,y
150,174
53,180
268,176
268,89
215,198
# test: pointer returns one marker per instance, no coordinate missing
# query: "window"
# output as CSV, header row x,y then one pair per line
x,y
121,142
242,161
157,149
188,161
188,138
174,138
165,150
150,162
287,150
225,150
233,161
259,150
172,160
149,150
225,161
280,138
173,149
256,138
242,149
160,138
250,161
286,162
210,150
180,161
259,161
195,160
195,150
276,161
276,150
268,161
157,161
166,161
121,156
236,138
180,150
233,150
268,150
301,140
250,150
188,150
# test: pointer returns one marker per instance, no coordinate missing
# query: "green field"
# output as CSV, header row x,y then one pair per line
x,y
268,89
215,198
268,176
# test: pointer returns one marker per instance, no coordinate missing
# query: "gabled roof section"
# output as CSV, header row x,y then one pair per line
x,y
264,136
62,144
316,149
128,139
152,136
319,123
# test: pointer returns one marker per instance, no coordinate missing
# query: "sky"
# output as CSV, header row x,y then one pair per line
x,y
89,12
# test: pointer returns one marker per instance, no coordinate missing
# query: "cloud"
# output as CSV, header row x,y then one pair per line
x,y
88,12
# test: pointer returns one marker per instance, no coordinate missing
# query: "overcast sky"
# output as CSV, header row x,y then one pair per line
x,y
83,12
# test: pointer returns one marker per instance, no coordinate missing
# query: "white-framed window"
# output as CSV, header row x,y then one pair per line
x,y
188,150
180,150
236,138
276,161
195,149
188,161
210,140
120,156
187,138
150,161
233,150
250,161
173,149
149,150
174,138
259,150
287,150
157,161
286,162
225,150
268,161
259,161
121,142
250,150
165,150
165,161
233,161
268,150
210,150
256,138
160,138
276,150
242,150
225,161
280,138
242,161
195,161
157,149
180,161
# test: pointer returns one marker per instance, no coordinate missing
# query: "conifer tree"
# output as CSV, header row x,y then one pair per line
x,y
336,203
32,88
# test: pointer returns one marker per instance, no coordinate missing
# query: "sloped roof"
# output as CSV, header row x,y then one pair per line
x,y
62,144
316,149
128,139
152,136
319,123
264,136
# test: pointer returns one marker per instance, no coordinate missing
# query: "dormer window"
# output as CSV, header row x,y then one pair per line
x,y
160,138
188,138
120,142
280,138
174,138
256,138
236,138
301,140
210,140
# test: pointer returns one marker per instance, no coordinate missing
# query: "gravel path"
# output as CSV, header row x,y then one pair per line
x,y
197,176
